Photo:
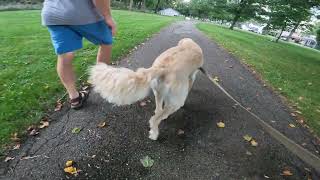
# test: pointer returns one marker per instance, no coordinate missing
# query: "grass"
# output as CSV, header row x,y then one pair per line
x,y
29,85
291,69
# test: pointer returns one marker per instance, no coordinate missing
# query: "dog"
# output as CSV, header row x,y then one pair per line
x,y
170,78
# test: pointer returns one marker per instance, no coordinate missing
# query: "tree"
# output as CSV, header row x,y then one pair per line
x,y
243,10
318,39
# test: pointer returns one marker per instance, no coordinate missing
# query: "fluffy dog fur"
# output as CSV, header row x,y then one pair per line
x,y
170,78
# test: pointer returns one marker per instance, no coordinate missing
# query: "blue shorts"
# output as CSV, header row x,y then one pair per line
x,y
68,38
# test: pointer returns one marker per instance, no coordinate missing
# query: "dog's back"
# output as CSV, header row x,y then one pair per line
x,y
182,59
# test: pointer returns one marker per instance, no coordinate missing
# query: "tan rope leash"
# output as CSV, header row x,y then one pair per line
x,y
302,153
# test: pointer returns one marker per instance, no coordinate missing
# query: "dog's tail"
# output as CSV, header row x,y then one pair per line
x,y
121,86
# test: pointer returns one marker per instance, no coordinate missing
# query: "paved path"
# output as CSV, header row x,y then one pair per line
x,y
202,152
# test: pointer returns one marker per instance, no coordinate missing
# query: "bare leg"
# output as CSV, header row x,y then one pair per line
x,y
104,54
66,74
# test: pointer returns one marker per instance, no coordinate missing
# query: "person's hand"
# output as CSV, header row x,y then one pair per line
x,y
110,22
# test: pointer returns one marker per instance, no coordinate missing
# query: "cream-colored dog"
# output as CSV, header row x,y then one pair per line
x,y
170,78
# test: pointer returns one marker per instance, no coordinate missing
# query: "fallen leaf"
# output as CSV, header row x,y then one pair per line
x,y
30,128
253,143
221,125
14,137
292,125
286,173
147,162
248,108
58,106
265,176
76,130
102,124
17,146
248,153
34,132
8,159
300,98
216,79
180,132
44,124
69,163
293,114
241,78
143,103
299,112
309,83
70,170
280,89
247,137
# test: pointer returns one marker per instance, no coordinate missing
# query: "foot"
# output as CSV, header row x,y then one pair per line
x,y
153,135
78,102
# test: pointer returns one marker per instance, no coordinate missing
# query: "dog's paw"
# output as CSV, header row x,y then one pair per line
x,y
153,135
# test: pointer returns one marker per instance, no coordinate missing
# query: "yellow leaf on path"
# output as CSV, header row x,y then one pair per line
x,y
17,146
15,137
292,125
216,79
247,137
44,124
180,132
58,106
221,125
69,163
8,159
299,112
102,124
253,143
70,170
286,173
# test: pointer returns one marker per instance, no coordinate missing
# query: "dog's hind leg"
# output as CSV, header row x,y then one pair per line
x,y
157,118
192,78
159,101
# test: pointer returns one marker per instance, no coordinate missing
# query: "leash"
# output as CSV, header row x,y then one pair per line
x,y
302,153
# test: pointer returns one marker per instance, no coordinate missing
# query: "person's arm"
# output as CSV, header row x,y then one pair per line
x,y
103,7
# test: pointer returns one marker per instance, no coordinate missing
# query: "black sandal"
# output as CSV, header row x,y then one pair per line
x,y
78,102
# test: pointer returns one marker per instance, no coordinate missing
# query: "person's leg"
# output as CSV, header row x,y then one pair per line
x,y
66,74
104,54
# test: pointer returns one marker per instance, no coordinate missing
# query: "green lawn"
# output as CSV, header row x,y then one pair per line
x,y
293,69
28,81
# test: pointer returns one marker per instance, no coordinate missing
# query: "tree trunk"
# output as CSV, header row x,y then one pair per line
x,y
266,29
292,31
130,5
157,7
283,27
143,5
243,3
235,20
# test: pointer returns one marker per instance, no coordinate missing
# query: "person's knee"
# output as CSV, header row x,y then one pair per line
x,y
66,58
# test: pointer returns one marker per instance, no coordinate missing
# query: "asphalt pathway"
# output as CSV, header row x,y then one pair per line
x,y
203,151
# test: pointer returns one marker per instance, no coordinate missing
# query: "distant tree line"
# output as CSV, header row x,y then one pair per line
x,y
277,14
